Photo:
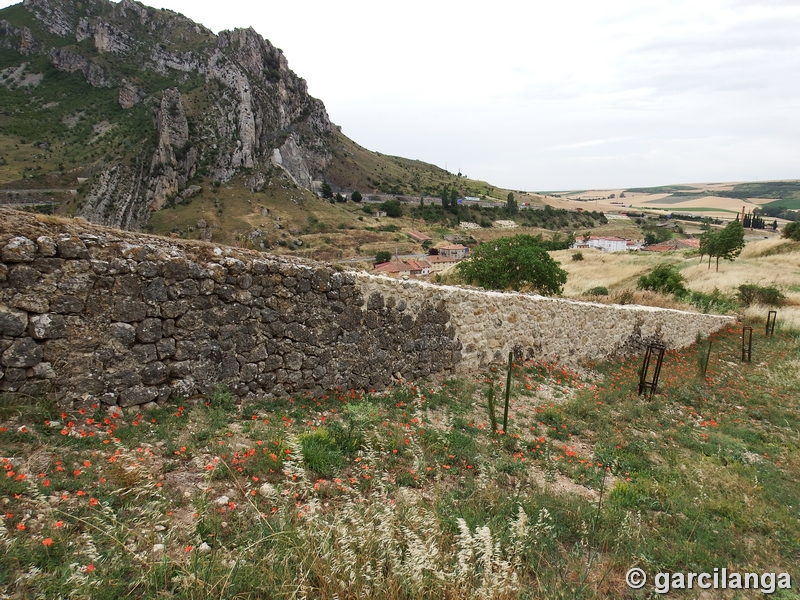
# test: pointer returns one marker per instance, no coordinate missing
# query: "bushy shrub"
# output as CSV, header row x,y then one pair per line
x,y
664,278
792,231
392,208
751,293
577,256
599,290
716,302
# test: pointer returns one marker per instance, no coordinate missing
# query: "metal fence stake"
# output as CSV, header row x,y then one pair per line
x,y
772,317
651,384
747,344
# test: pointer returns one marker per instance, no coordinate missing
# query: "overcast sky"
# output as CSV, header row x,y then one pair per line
x,y
554,95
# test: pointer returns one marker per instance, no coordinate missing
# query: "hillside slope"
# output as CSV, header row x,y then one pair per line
x,y
130,109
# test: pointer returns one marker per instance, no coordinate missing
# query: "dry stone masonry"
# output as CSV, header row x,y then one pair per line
x,y
90,314
489,325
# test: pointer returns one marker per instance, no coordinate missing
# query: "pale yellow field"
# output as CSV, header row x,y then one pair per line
x,y
773,262
716,206
733,204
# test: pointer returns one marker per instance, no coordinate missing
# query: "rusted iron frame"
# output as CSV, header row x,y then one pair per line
x,y
651,385
747,348
772,318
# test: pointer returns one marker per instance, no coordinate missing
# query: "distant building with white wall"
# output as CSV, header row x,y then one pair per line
x,y
605,243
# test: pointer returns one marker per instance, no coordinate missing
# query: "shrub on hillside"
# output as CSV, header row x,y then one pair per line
x,y
792,231
599,290
715,302
392,208
665,279
751,293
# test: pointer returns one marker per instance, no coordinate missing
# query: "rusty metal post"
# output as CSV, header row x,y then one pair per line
x,y
706,359
747,344
652,384
508,392
772,317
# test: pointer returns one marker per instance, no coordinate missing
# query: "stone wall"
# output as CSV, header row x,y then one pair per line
x,y
95,314
489,325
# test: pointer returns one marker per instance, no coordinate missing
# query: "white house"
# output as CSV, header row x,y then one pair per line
x,y
606,244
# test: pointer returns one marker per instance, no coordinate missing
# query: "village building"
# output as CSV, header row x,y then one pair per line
x,y
456,251
439,262
419,237
399,268
606,243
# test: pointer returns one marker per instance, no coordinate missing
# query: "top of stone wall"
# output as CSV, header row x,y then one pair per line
x,y
71,238
428,288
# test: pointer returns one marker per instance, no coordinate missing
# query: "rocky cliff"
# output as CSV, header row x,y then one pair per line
x,y
184,106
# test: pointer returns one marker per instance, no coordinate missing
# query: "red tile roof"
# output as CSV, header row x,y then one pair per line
x,y
419,236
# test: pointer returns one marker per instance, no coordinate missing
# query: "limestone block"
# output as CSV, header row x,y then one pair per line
x,y
72,247
19,249
47,246
12,324
46,326
22,353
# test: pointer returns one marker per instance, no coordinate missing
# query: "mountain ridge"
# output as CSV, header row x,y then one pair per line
x,y
193,106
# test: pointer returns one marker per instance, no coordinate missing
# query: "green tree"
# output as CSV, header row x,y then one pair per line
x,y
340,198
730,242
392,208
356,196
791,231
656,235
327,192
511,204
383,256
726,243
514,263
449,198
708,243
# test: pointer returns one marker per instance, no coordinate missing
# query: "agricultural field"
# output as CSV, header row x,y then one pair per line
x,y
718,200
773,262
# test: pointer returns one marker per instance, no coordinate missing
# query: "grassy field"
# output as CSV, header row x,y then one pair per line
x,y
773,262
410,494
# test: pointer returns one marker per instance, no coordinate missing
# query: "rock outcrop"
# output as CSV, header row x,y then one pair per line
x,y
234,104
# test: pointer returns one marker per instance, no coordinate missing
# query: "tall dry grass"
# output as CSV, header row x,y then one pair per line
x,y
773,262
619,270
